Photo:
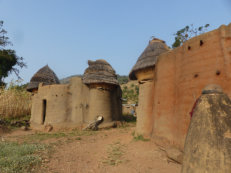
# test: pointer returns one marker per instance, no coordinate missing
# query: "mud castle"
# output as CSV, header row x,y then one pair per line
x,y
78,103
171,81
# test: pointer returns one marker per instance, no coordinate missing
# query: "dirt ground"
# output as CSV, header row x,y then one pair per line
x,y
105,151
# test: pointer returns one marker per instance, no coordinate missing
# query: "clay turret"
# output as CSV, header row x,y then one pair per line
x,y
143,71
105,92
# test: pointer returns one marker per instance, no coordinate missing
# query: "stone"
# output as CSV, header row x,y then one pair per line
x,y
208,142
174,155
212,88
48,128
25,128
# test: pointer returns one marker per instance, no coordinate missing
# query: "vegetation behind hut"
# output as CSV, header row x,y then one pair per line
x,y
130,92
122,79
15,101
188,32
9,61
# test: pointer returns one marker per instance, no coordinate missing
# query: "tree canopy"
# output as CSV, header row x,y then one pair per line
x,y
188,32
9,61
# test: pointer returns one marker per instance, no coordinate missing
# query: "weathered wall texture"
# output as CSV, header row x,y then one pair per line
x,y
180,76
74,105
54,96
207,146
145,108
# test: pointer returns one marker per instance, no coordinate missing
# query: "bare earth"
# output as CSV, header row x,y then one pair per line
x,y
106,151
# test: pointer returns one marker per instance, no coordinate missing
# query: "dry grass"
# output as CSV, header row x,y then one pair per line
x,y
14,102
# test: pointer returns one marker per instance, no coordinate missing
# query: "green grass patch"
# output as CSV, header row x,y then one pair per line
x,y
115,153
140,138
78,138
38,137
45,136
19,158
77,132
129,118
14,122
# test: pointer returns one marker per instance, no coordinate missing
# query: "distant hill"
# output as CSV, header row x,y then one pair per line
x,y
66,80
122,79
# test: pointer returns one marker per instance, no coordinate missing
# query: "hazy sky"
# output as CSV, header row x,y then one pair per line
x,y
66,33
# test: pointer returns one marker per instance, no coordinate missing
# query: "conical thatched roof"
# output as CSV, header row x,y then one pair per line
x,y
44,75
100,71
149,56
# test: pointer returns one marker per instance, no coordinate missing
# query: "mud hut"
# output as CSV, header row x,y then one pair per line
x,y
105,92
143,71
44,75
78,103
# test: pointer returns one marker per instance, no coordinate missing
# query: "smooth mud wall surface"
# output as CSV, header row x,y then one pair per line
x,y
144,111
55,110
78,100
99,104
164,122
116,103
182,73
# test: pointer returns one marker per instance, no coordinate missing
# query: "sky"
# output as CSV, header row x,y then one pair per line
x,y
65,34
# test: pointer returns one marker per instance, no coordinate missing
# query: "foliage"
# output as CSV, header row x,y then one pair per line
x,y
129,118
140,138
9,61
188,32
19,158
131,94
122,79
10,123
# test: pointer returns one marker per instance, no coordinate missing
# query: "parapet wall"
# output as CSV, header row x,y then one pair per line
x,y
180,76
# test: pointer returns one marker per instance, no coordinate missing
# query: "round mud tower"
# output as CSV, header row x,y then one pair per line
x,y
208,143
100,104
104,98
144,110
143,71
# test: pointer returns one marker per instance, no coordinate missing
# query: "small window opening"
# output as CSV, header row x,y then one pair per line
x,y
189,47
201,42
44,111
218,72
195,75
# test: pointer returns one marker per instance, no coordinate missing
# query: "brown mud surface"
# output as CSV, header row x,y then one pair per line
x,y
105,151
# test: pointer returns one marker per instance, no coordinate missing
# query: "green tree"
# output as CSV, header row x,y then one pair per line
x,y
9,61
188,32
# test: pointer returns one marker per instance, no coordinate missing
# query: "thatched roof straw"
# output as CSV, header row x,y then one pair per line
x,y
44,75
149,56
100,71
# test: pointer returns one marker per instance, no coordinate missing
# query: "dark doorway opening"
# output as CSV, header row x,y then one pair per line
x,y
44,111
